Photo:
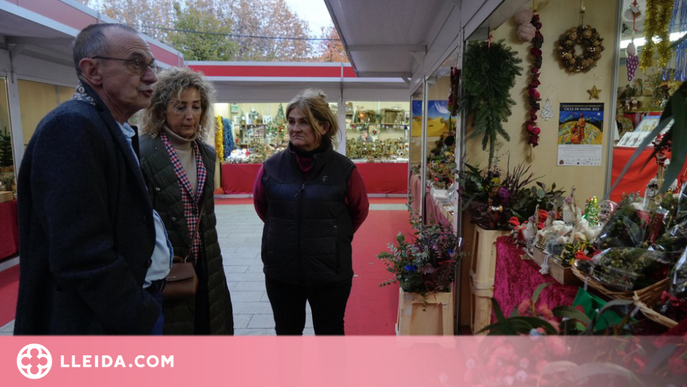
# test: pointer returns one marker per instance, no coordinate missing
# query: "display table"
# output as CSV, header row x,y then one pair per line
x,y
379,178
9,229
516,279
384,178
636,178
434,213
238,179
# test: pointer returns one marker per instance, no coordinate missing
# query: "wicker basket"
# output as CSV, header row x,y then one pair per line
x,y
648,298
594,284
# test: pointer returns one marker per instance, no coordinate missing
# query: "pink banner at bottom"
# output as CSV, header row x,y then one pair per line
x,y
343,361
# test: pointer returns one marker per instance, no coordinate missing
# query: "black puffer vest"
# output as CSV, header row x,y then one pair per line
x,y
308,230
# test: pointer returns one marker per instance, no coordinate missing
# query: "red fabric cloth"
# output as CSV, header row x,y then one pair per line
x,y
636,178
384,178
356,197
239,178
379,178
515,280
9,229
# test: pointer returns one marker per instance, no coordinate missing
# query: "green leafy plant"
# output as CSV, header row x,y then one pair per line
x,y
483,191
488,75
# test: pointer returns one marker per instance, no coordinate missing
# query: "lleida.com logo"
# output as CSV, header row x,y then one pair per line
x,y
34,361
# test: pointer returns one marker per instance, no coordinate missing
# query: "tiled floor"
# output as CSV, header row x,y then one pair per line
x,y
240,231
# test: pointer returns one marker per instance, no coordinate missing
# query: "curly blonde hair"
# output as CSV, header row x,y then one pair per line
x,y
171,83
313,104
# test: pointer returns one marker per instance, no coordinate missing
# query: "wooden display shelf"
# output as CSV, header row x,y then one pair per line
x,y
417,318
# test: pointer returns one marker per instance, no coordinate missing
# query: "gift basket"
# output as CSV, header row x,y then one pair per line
x,y
629,268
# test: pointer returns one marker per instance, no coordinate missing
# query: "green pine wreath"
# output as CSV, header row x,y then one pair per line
x,y
489,73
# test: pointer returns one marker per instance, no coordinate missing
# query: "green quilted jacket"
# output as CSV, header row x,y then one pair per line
x,y
165,194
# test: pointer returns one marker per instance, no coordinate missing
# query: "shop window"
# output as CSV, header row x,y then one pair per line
x,y
7,175
377,131
36,100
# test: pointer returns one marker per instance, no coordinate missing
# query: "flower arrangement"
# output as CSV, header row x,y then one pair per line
x,y
426,263
492,199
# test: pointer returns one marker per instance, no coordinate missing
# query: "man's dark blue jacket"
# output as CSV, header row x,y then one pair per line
x,y
85,228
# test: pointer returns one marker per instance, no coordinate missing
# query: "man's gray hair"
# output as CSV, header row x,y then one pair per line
x,y
91,41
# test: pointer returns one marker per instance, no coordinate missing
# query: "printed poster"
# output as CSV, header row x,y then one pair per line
x,y
437,118
580,134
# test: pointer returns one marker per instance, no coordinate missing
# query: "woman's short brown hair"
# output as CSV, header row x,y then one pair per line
x,y
313,104
171,83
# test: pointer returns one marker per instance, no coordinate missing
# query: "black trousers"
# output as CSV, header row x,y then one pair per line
x,y
328,305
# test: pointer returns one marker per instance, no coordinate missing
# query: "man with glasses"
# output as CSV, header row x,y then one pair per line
x,y
94,254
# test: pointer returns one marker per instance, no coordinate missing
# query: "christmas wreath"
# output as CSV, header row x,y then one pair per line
x,y
590,41
488,75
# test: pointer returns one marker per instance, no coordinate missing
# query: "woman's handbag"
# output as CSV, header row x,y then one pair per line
x,y
182,281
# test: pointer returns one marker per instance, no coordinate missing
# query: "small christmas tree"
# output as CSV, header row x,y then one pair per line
x,y
5,148
591,211
280,119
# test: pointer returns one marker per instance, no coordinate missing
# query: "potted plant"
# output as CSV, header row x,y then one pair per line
x,y
424,267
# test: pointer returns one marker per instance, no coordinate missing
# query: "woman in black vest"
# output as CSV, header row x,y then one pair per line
x,y
312,199
179,169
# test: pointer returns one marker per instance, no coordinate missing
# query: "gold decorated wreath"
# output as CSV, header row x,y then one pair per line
x,y
589,39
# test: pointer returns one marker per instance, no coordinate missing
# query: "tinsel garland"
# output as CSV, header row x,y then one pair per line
x,y
532,94
219,138
658,14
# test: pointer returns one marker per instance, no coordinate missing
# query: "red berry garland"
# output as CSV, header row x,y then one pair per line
x,y
533,95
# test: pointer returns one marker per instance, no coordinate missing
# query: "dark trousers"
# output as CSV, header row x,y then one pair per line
x,y
155,290
328,305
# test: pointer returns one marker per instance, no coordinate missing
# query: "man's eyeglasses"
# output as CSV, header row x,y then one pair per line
x,y
137,65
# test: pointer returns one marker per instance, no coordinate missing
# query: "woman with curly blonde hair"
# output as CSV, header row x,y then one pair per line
x,y
179,169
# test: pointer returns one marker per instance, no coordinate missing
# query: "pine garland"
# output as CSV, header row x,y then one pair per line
x,y
488,76
219,139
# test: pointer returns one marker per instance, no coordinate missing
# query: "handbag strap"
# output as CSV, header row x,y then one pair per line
x,y
195,232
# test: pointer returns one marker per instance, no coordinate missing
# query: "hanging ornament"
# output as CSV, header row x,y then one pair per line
x,y
632,60
533,96
547,111
658,15
593,93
